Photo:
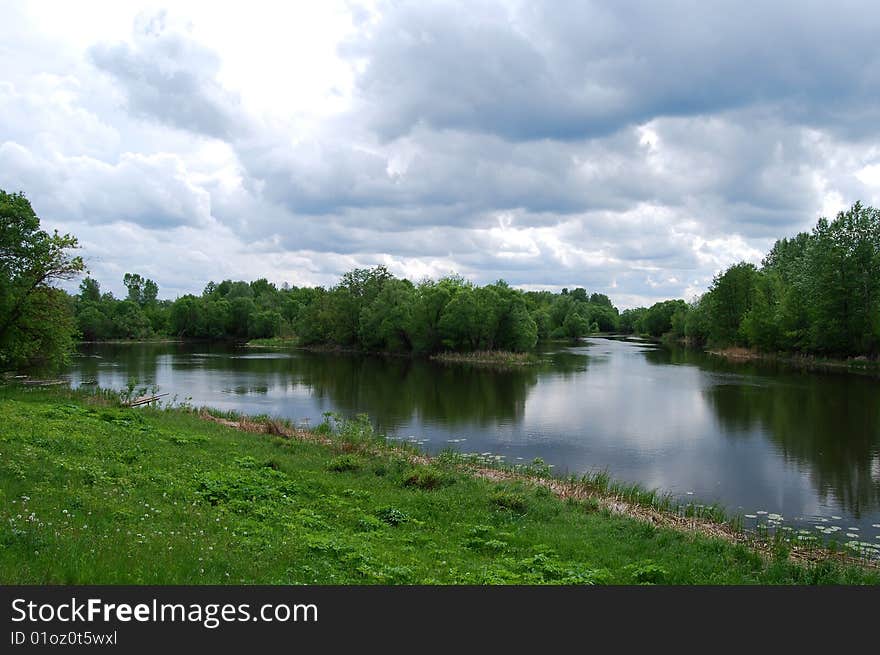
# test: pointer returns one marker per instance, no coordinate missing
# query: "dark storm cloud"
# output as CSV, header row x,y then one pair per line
x,y
570,70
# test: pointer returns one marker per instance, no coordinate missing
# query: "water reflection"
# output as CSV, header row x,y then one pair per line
x,y
751,436
832,427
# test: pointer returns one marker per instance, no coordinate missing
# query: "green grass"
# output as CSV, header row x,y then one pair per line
x,y
273,342
98,494
491,357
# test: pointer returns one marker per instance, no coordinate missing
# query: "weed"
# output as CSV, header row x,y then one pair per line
x,y
509,500
345,463
391,516
427,478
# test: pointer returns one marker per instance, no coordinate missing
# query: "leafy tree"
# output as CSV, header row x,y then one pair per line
x,y
630,319
93,324
36,320
90,290
730,297
429,304
657,319
460,326
386,323
575,326
263,324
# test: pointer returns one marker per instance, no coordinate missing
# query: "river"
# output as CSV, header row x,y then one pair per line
x,y
770,442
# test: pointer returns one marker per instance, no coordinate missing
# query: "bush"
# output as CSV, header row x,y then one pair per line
x,y
391,516
510,500
344,463
427,478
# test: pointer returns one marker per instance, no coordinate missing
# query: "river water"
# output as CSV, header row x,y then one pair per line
x,y
761,440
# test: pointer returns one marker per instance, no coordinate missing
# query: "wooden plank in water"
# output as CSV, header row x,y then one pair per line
x,y
143,400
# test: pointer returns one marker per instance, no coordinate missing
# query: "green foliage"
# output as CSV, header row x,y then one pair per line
x,y
345,463
427,478
391,516
510,500
36,319
647,573
816,293
96,494
657,320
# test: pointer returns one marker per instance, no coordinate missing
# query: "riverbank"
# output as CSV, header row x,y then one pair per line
x,y
96,493
810,362
273,342
130,341
487,357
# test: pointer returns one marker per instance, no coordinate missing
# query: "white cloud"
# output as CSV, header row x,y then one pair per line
x,y
551,145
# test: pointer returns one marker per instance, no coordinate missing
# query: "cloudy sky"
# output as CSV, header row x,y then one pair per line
x,y
627,147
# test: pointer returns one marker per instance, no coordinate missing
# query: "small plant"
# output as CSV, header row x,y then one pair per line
x,y
647,573
510,500
427,478
344,464
538,467
391,516
369,523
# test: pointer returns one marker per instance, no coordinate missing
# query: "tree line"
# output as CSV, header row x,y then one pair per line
x,y
369,309
816,293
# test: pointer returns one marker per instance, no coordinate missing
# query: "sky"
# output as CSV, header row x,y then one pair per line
x,y
634,149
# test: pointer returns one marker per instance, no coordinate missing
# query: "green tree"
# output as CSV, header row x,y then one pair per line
x,y
844,285
36,320
730,297
460,327
386,323
90,290
575,326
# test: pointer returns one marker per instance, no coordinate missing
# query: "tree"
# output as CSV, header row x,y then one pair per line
x,y
386,324
575,326
140,290
36,320
460,324
730,297
657,319
844,286
90,290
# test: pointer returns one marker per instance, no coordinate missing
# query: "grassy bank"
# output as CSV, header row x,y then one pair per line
x,y
491,357
273,342
813,362
91,492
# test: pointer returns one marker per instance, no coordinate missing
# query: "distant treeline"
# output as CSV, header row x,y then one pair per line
x,y
816,293
369,309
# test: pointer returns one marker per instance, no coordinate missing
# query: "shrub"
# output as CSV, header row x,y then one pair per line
x,y
509,500
427,478
344,463
392,516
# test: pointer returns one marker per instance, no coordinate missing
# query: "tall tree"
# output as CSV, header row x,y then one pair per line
x,y
36,320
